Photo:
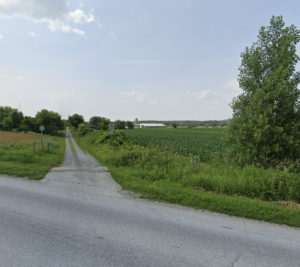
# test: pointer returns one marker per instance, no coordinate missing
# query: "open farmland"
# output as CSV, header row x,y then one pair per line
x,y
203,143
154,164
17,157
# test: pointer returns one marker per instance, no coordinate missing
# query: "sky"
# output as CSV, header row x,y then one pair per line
x,y
145,59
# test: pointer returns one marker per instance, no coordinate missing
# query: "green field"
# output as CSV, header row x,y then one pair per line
x,y
203,143
160,171
17,157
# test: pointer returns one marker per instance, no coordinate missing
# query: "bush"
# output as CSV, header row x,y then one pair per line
x,y
83,129
103,137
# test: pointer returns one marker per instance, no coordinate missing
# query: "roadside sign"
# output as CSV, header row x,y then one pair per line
x,y
111,128
42,128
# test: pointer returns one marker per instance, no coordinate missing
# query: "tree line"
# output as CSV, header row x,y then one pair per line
x,y
96,123
13,120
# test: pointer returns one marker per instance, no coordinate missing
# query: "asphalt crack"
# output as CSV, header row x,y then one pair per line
x,y
235,261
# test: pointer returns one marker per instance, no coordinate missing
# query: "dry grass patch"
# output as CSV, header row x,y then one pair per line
x,y
289,204
17,137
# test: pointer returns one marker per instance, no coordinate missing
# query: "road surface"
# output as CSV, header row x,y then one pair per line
x,y
78,216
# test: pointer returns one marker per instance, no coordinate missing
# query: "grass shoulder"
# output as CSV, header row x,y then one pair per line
x,y
19,158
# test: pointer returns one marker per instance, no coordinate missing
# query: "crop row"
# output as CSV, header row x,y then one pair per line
x,y
203,143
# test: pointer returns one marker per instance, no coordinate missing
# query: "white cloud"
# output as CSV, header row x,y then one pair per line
x,y
34,9
132,95
199,95
79,17
139,62
57,25
20,78
32,34
79,32
55,13
233,84
136,97
6,3
65,28
232,89
1,36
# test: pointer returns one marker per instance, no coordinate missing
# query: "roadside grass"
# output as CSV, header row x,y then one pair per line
x,y
249,192
17,157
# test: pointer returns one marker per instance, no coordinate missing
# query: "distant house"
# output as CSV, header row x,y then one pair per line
x,y
149,125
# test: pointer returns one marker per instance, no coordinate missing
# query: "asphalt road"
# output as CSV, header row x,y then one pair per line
x,y
78,216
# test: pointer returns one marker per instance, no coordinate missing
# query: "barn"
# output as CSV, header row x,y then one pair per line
x,y
150,125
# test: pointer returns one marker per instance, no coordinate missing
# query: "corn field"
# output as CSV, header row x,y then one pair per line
x,y
203,143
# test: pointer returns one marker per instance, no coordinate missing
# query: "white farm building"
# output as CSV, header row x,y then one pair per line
x,y
149,125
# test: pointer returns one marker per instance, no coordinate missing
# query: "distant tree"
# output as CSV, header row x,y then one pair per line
x,y
5,112
29,124
7,124
174,125
84,129
51,120
16,118
214,124
265,127
75,120
10,118
95,121
191,125
120,124
129,124
222,124
104,124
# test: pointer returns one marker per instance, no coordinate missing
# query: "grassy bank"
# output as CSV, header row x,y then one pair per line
x,y
17,157
216,186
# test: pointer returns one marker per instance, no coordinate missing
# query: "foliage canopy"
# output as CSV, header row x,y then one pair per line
x,y
265,128
51,120
75,120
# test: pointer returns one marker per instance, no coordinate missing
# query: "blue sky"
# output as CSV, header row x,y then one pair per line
x,y
150,59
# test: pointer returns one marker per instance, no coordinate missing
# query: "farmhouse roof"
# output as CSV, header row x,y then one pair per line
x,y
152,124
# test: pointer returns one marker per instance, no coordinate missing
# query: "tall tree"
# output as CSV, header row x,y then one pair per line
x,y
29,124
10,118
94,122
265,128
75,120
120,124
51,120
104,124
129,124
5,112
16,118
